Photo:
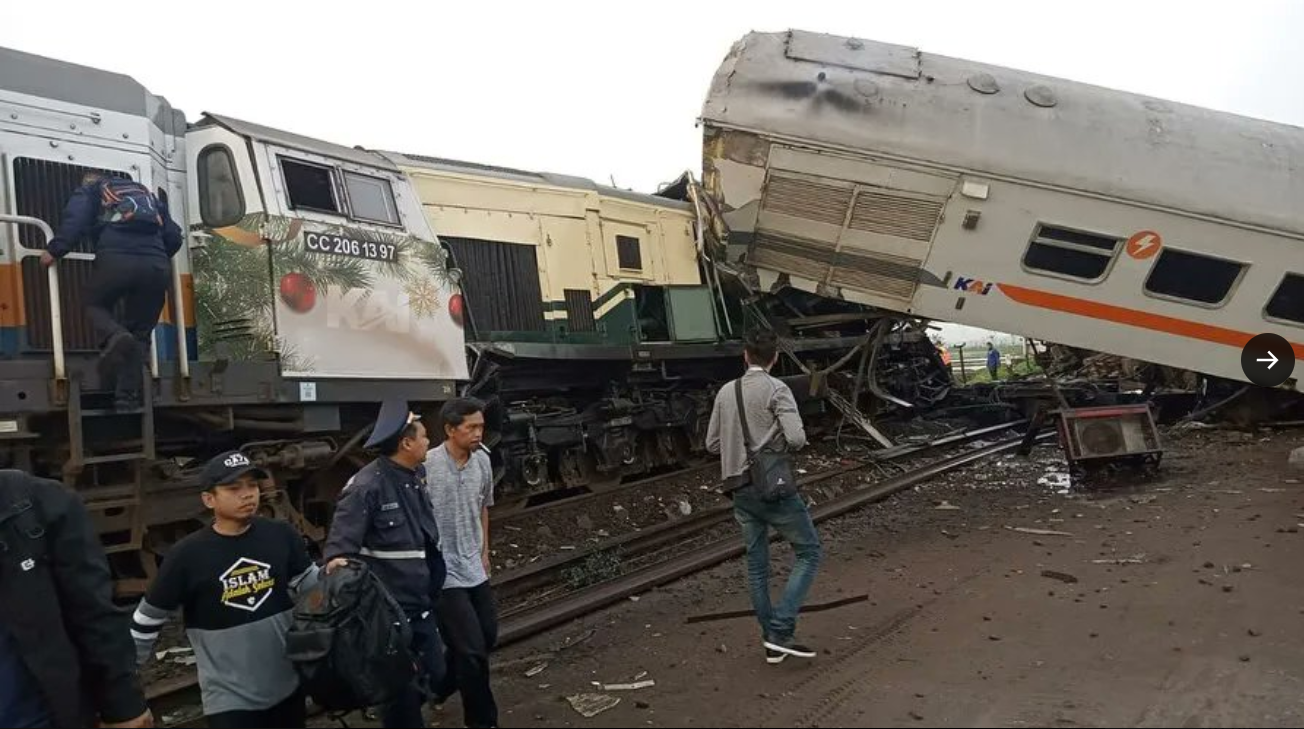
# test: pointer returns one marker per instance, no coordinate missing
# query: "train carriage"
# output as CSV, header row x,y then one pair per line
x,y
965,192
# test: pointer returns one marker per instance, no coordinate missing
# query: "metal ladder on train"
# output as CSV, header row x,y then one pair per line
x,y
114,495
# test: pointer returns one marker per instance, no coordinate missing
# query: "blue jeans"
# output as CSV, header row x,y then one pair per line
x,y
790,518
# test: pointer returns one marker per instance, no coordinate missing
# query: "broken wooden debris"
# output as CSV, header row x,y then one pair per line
x,y
1061,576
1039,532
732,614
635,686
590,705
536,670
1139,559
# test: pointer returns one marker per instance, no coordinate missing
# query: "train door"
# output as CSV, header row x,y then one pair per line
x,y
859,225
228,223
632,309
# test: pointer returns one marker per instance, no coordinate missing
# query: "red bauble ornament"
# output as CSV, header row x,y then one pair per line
x,y
298,292
455,308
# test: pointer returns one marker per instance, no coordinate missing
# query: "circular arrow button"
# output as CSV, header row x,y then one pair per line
x,y
1268,360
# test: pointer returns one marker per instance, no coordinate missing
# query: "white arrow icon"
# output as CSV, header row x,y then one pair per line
x,y
1271,359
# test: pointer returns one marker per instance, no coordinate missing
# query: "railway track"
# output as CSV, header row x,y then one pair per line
x,y
175,700
635,545
510,510
531,622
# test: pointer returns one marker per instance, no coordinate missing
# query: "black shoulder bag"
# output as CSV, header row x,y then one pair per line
x,y
769,474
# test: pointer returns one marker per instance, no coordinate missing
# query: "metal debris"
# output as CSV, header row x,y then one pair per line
x,y
582,637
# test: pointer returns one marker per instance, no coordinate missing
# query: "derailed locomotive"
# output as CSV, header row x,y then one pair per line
x,y
319,279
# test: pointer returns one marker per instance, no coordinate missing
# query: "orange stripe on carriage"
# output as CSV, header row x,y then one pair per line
x,y
1134,317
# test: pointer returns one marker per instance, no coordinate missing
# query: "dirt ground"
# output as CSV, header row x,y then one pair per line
x,y
1195,622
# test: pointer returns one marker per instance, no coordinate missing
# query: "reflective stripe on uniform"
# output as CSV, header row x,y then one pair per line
x,y
393,554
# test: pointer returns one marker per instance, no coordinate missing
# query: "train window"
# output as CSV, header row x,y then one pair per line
x,y
628,254
1288,301
1193,277
1070,252
221,201
309,186
371,198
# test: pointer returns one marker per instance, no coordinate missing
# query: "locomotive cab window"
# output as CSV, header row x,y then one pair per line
x,y
371,198
1287,302
628,254
221,201
309,186
1071,253
1193,277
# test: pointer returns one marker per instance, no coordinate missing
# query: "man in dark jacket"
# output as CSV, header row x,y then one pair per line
x,y
134,238
66,654
385,519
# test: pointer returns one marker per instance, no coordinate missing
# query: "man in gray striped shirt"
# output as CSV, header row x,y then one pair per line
x,y
460,482
234,581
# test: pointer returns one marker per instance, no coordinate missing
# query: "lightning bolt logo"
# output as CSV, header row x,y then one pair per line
x,y
1143,245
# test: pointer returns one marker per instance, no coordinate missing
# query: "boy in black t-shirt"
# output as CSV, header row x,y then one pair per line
x,y
234,582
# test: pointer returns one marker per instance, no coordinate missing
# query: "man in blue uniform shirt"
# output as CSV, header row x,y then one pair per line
x,y
384,518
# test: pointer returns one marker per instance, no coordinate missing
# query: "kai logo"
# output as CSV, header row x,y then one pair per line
x,y
972,286
363,310
247,584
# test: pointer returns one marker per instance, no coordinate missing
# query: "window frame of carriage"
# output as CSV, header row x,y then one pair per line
x,y
1276,290
340,191
1036,238
1243,268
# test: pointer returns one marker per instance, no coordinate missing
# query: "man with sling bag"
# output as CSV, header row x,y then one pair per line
x,y
759,479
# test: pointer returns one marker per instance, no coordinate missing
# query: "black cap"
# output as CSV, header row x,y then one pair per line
x,y
227,467
393,418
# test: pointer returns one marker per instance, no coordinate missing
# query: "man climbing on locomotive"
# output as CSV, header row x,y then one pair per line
x,y
134,239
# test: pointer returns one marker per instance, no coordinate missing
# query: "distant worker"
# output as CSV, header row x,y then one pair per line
x,y
993,360
760,404
384,519
66,657
460,481
134,239
236,582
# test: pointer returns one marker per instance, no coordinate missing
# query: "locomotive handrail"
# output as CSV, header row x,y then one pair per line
x,y
56,304
179,315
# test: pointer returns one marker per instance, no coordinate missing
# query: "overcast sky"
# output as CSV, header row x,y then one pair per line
x,y
611,90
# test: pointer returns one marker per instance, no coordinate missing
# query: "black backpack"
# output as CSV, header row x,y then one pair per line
x,y
350,641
